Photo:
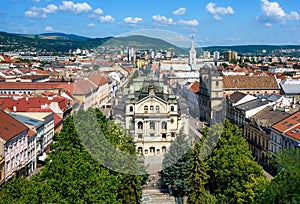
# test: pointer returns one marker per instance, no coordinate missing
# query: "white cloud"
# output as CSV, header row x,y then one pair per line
x,y
51,8
218,11
76,8
34,14
188,22
180,11
91,25
106,18
273,13
49,28
98,11
131,20
162,20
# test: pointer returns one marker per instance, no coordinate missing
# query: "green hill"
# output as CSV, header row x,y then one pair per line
x,y
62,43
143,43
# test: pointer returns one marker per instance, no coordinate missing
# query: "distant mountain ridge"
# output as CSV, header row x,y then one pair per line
x,y
61,42
58,36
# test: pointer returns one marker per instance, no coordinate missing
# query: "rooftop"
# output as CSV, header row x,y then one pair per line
x,y
252,104
10,127
268,116
294,133
250,82
288,123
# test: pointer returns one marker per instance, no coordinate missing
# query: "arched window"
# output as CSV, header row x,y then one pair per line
x,y
140,125
164,125
152,125
172,108
152,149
157,108
131,108
140,150
145,108
151,108
163,149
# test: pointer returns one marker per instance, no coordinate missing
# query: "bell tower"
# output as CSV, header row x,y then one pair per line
x,y
192,54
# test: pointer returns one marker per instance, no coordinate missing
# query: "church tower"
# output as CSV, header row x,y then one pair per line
x,y
192,54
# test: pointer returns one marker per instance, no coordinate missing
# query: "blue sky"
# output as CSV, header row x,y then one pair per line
x,y
212,22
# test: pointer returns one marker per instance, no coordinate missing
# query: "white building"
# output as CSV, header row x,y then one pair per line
x,y
13,145
153,116
216,55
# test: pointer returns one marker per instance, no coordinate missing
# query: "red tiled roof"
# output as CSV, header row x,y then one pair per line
x,y
128,69
27,103
294,133
288,124
98,79
84,87
195,87
250,82
10,127
28,85
31,133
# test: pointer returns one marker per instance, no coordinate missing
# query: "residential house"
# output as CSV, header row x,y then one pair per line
x,y
103,90
235,99
13,145
85,91
44,135
257,131
242,112
35,138
285,133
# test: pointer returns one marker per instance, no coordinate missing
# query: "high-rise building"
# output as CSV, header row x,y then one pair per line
x,y
230,55
216,55
206,54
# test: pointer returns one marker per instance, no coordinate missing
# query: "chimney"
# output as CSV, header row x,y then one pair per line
x,y
274,107
14,108
26,98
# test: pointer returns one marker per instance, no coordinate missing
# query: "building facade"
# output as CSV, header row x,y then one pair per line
x,y
154,118
211,95
13,145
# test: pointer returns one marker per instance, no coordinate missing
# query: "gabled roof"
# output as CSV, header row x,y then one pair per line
x,y
10,127
236,96
84,87
98,79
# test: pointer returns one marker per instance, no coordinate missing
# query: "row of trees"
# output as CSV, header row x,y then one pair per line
x,y
220,169
73,175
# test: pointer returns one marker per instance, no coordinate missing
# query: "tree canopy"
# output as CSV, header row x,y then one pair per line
x,y
73,175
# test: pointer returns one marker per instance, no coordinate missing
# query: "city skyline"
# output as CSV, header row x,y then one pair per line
x,y
216,22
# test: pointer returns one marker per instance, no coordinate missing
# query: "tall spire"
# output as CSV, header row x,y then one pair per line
x,y
192,53
193,45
